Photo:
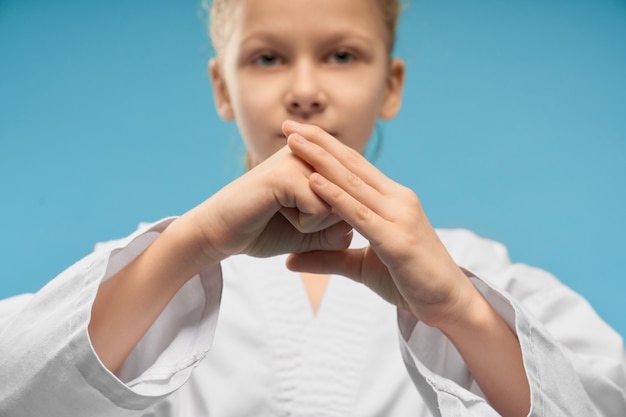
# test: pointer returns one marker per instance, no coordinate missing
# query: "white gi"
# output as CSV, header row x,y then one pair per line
x,y
268,355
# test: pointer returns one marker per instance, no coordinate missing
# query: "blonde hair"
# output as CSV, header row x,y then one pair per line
x,y
217,15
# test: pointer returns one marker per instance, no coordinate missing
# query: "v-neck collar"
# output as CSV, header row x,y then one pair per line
x,y
317,358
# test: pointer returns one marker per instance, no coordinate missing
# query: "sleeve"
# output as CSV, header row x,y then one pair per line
x,y
49,366
575,363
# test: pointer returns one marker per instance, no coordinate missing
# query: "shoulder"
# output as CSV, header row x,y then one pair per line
x,y
490,260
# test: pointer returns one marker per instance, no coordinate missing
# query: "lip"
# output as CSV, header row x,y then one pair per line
x,y
332,133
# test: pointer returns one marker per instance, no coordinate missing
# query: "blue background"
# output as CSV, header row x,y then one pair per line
x,y
514,125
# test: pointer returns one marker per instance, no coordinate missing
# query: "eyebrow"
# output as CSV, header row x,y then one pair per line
x,y
334,37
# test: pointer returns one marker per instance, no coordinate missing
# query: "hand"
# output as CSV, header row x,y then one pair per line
x,y
405,261
268,211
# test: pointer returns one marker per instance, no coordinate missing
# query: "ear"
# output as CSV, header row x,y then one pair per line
x,y
393,95
220,92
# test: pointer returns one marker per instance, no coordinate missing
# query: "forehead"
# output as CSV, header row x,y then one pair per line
x,y
310,17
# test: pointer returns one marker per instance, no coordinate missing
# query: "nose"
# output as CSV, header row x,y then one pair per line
x,y
305,96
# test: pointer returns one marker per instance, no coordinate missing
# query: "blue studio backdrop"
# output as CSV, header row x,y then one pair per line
x,y
513,125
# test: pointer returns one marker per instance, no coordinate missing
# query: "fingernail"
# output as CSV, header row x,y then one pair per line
x,y
292,123
299,138
318,179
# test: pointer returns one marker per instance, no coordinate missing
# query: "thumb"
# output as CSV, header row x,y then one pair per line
x,y
333,238
346,262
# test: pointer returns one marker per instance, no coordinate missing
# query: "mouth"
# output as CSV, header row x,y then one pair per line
x,y
332,133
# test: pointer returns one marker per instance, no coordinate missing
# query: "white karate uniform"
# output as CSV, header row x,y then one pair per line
x,y
268,355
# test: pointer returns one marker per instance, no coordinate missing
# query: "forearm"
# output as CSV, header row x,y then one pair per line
x,y
129,302
493,356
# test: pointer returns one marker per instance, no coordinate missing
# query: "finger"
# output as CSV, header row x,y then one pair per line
x,y
349,263
309,222
334,238
341,262
349,157
304,209
358,215
338,174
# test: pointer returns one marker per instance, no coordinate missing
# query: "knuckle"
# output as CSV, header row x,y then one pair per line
x,y
410,196
307,223
314,130
363,212
319,153
318,130
352,157
335,192
354,181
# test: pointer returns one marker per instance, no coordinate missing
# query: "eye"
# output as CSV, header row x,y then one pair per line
x,y
267,60
342,57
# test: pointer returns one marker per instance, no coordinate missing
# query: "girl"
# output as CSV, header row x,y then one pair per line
x,y
133,328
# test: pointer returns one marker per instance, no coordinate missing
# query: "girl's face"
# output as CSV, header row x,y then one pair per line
x,y
324,62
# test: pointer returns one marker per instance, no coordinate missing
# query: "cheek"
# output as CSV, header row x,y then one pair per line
x,y
254,115
252,93
249,111
253,111
362,104
248,104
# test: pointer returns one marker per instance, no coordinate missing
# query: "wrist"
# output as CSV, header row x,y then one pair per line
x,y
492,353
190,246
471,313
